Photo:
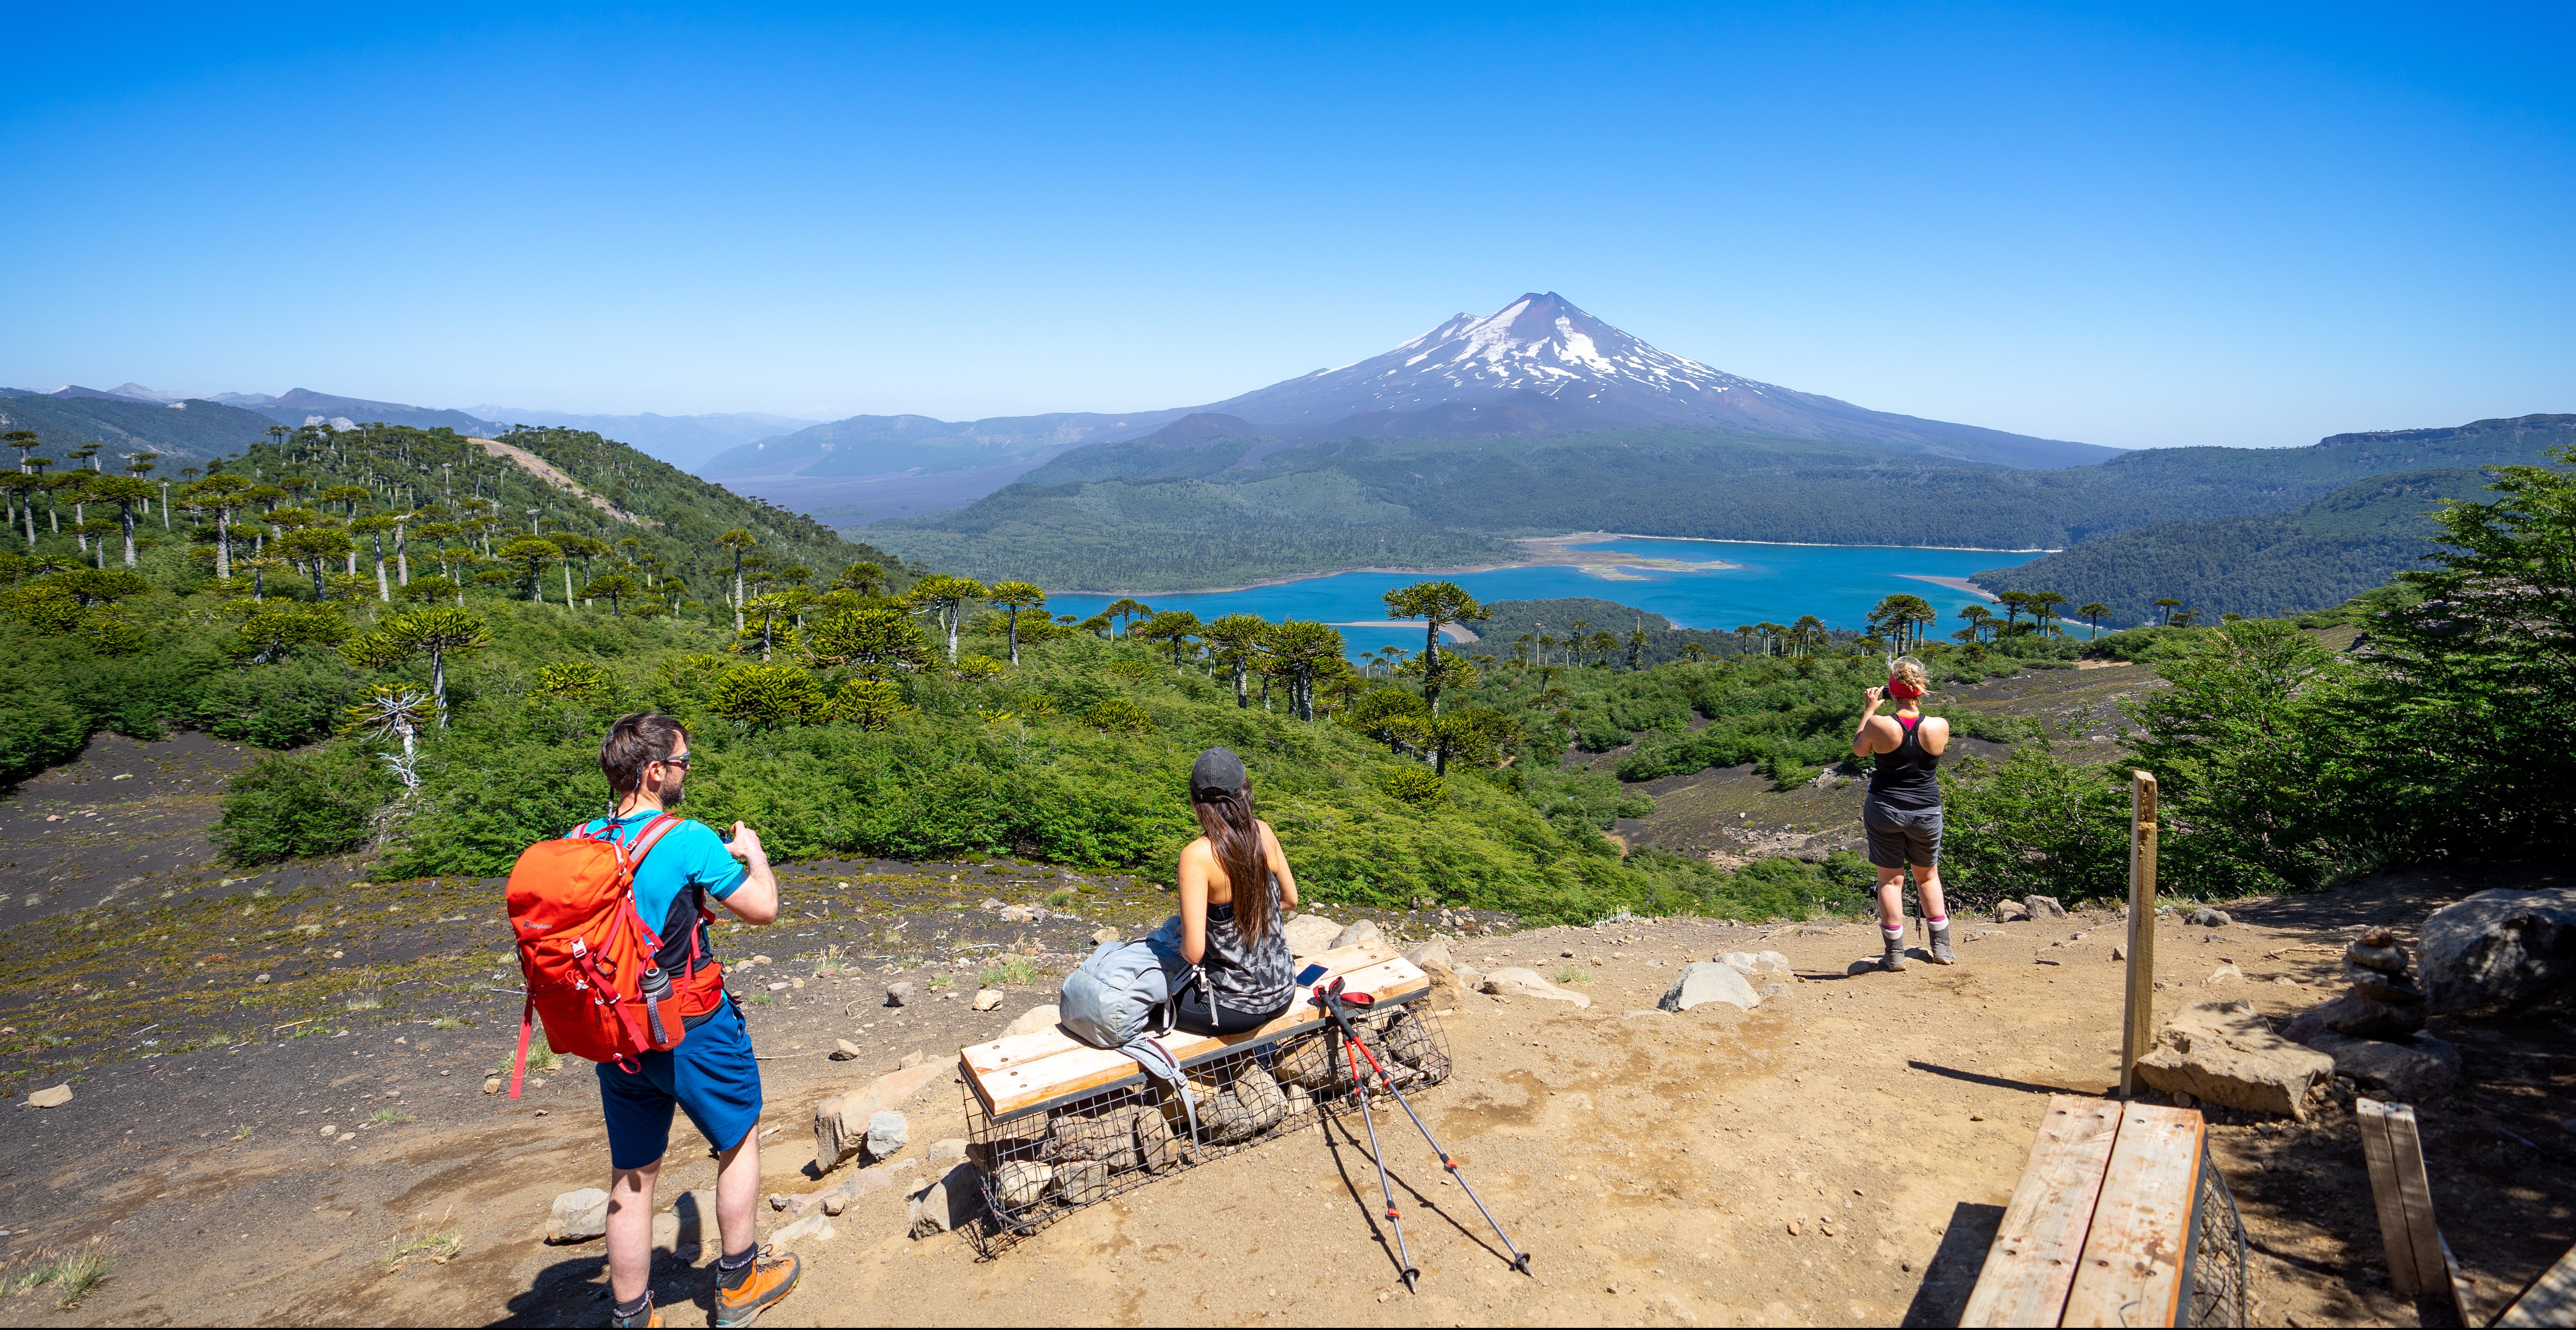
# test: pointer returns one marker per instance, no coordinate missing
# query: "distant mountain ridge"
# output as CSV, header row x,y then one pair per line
x,y
1538,366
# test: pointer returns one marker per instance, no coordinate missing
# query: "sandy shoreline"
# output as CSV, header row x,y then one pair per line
x,y
1954,583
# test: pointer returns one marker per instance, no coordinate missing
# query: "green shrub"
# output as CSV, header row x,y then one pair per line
x,y
2037,824
1413,785
283,705
764,697
40,726
1117,715
288,804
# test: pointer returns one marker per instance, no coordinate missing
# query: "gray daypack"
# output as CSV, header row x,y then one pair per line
x,y
1121,998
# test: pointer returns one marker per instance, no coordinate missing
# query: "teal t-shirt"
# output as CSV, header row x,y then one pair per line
x,y
688,855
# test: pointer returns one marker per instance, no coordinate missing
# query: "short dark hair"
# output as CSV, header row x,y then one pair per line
x,y
635,741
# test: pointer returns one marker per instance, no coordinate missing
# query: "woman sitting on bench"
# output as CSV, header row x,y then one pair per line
x,y
1235,885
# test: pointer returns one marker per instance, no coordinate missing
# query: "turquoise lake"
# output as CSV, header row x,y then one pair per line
x,y
1678,579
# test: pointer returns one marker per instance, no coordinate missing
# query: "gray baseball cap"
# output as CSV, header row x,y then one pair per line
x,y
1218,770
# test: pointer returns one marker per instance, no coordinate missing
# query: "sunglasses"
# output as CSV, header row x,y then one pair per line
x,y
682,761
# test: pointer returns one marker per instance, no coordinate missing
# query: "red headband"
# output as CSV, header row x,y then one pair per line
x,y
1897,685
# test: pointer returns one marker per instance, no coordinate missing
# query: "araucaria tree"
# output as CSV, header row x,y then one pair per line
x,y
438,632
1297,651
1235,641
1435,603
1012,597
945,597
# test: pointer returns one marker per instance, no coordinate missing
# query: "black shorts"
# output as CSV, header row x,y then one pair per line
x,y
1191,1014
1901,836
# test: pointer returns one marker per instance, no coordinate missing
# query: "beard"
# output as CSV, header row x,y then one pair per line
x,y
672,796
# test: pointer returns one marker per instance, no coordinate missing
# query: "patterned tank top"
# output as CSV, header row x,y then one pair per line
x,y
1247,976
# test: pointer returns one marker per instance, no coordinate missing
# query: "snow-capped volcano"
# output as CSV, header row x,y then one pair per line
x,y
1539,343
1594,377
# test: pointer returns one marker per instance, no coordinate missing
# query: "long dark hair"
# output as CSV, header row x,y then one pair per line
x,y
1226,818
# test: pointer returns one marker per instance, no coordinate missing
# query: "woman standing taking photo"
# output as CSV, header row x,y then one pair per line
x,y
1902,812
1235,893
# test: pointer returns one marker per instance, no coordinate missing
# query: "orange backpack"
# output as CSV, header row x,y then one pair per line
x,y
587,956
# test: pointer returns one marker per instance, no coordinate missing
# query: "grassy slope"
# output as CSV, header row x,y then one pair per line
x,y
201,431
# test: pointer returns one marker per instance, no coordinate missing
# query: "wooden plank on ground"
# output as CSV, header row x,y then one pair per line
x,y
2550,1301
2381,1159
2131,1271
2031,1265
2437,1293
1012,1073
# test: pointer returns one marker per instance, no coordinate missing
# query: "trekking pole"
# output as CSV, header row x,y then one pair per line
x,y
1352,1048
1520,1259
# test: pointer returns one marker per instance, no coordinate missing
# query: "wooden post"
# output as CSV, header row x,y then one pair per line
x,y
2138,1024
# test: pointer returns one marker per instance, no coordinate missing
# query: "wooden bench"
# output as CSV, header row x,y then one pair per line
x,y
2119,1220
1028,1073
1054,1124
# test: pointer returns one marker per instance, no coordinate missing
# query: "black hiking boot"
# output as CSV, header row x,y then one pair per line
x,y
1895,958
1941,953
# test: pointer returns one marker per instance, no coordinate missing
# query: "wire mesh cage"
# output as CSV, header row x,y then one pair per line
x,y
1045,1161
2214,1267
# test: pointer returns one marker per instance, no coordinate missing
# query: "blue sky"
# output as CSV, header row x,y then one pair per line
x,y
2182,225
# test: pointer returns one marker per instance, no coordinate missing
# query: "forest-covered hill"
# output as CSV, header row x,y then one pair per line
x,y
191,431
1222,508
2266,565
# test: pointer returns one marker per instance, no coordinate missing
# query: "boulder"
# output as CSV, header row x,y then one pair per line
x,y
948,1204
1470,979
841,1124
1365,930
578,1216
2208,918
948,1151
2225,1053
1018,914
2501,950
1310,934
2410,1070
1102,937
52,1096
1445,989
844,1051
1022,1183
988,999
2358,1016
1710,981
1033,1020
1514,982
2043,907
2011,912
1433,952
899,993
887,1132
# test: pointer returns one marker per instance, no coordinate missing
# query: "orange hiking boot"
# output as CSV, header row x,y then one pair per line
x,y
768,1279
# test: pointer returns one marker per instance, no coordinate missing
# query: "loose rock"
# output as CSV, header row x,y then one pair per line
x,y
2501,950
491,1085
1513,981
2225,1053
1034,1020
1365,930
2209,918
948,1151
2043,907
843,1050
578,1216
887,1132
2011,912
948,1204
2357,1016
2410,1070
1310,934
1754,964
816,1227
1105,936
841,1124
899,993
52,1096
2225,974
1433,952
1710,981
988,999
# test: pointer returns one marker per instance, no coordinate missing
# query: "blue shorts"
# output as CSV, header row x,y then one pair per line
x,y
712,1076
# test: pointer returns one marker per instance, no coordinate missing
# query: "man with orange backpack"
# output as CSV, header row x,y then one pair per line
x,y
701,1062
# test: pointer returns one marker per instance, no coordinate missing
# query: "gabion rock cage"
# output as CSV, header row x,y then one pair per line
x,y
1043,1162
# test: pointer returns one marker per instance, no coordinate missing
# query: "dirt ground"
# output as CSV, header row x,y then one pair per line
x,y
297,1151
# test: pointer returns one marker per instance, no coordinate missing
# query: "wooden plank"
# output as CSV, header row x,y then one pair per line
x,y
2437,1293
1014,1075
2550,1301
2031,1265
2138,1019
2131,1270
2381,1159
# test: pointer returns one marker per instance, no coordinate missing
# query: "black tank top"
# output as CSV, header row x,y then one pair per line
x,y
1907,777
